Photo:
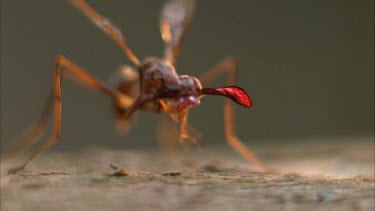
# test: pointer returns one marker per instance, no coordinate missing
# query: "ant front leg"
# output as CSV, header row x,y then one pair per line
x,y
183,113
229,65
80,75
186,131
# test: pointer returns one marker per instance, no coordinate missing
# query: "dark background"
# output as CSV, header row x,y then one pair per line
x,y
308,66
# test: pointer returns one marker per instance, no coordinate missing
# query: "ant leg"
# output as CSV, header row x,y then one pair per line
x,y
82,76
107,27
174,22
229,65
186,130
183,121
29,137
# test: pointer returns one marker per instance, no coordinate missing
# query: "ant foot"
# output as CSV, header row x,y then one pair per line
x,y
16,170
182,140
187,140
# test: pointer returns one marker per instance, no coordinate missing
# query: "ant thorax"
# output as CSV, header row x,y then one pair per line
x,y
155,74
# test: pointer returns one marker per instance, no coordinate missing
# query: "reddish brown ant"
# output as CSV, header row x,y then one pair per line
x,y
154,87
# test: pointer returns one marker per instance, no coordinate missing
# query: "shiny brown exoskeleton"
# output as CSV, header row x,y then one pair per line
x,y
154,86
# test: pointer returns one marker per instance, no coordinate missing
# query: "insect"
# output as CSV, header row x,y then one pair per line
x,y
153,86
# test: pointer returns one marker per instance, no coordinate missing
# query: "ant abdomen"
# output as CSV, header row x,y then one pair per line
x,y
126,81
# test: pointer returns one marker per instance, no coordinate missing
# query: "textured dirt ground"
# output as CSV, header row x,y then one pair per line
x,y
329,175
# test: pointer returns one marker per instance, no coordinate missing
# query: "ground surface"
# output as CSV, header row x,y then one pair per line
x,y
310,176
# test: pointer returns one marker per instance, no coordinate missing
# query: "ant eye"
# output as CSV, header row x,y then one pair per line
x,y
169,91
234,93
173,87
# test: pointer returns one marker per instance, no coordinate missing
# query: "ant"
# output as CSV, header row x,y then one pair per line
x,y
154,86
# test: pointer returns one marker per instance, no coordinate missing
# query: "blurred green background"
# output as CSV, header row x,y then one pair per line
x,y
307,65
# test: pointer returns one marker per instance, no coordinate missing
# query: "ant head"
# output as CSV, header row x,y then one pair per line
x,y
185,93
159,77
190,91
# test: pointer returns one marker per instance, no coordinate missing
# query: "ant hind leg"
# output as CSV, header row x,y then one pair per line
x,y
80,75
